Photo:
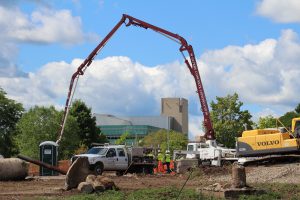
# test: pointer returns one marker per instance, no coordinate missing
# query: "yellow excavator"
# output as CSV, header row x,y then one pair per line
x,y
262,142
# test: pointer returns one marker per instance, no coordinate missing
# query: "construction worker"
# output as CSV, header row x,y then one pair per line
x,y
149,158
168,160
160,159
150,155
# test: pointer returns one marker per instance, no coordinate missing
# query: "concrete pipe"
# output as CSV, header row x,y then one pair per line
x,y
13,169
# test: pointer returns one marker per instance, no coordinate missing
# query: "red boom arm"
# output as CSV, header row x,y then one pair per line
x,y
209,132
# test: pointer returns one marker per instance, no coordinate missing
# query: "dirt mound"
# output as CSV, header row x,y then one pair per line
x,y
215,171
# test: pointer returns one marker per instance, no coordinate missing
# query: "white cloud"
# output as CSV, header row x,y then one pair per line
x,y
7,52
264,113
284,11
264,74
195,127
42,26
112,85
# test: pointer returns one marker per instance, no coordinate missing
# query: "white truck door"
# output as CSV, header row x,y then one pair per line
x,y
122,159
111,157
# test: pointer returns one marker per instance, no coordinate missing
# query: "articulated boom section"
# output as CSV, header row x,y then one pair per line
x,y
80,71
209,132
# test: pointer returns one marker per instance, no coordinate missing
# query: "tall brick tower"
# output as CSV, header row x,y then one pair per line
x,y
178,109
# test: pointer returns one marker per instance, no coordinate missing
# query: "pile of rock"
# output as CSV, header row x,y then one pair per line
x,y
96,184
234,190
81,177
217,187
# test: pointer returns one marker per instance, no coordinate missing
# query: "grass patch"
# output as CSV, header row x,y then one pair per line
x,y
281,190
168,193
273,191
107,195
266,196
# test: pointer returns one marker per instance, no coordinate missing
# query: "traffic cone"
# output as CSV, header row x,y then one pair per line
x,y
172,165
160,167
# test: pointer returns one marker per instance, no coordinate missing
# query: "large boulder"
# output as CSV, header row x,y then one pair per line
x,y
95,181
13,169
85,187
77,173
107,182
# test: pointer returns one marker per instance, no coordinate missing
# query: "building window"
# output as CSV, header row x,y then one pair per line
x,y
180,108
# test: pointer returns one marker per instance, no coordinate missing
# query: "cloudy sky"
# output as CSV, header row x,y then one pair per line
x,y
249,47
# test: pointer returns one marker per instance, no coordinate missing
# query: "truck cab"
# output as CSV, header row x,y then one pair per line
x,y
106,158
196,147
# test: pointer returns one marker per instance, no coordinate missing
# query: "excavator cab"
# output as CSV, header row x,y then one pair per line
x,y
296,127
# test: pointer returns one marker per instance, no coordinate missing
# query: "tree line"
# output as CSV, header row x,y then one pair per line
x,y
22,131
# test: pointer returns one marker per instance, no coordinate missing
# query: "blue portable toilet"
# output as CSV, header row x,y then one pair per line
x,y
48,154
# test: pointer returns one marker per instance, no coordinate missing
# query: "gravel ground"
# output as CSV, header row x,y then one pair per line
x,y
202,177
277,173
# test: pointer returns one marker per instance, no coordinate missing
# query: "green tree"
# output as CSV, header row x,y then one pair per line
x,y
41,124
10,113
286,119
297,109
122,139
89,132
266,122
229,120
177,141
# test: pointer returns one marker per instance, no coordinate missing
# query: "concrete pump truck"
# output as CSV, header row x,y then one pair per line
x,y
207,150
191,63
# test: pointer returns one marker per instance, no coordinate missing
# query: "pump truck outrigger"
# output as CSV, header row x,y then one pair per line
x,y
191,64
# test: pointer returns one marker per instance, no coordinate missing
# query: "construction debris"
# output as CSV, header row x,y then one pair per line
x,y
236,189
96,184
13,169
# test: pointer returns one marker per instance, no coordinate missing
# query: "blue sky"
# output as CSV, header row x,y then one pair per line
x,y
248,47
207,25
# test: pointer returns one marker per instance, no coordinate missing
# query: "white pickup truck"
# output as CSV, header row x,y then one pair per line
x,y
118,158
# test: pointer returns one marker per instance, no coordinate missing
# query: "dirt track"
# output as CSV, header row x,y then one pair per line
x,y
46,186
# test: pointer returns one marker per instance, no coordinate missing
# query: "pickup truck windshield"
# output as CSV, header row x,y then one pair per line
x,y
97,150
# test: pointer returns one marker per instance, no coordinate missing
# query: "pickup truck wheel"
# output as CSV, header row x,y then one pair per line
x,y
98,169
